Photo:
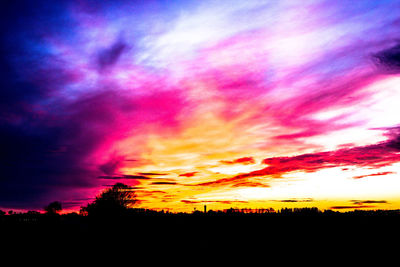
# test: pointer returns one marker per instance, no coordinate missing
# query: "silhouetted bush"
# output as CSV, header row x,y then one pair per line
x,y
53,208
113,201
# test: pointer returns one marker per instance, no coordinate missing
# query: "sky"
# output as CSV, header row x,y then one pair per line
x,y
253,104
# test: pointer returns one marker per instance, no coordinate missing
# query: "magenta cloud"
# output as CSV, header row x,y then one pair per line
x,y
84,85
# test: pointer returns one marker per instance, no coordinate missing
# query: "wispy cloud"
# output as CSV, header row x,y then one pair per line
x,y
352,207
244,160
373,156
125,176
389,59
373,174
295,200
188,174
201,91
164,183
362,202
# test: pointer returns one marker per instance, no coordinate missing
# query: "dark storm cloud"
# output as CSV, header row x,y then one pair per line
x,y
389,59
31,167
33,151
109,56
42,150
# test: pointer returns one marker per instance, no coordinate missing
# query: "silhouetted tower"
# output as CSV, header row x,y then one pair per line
x,y
205,208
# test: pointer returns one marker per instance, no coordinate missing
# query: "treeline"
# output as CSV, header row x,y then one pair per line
x,y
35,215
145,224
114,216
118,202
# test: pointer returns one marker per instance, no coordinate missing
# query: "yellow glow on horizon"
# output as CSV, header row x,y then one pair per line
x,y
199,153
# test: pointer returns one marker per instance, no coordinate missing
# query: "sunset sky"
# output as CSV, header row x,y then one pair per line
x,y
225,103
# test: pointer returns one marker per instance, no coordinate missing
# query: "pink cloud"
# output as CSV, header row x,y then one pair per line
x,y
373,174
244,160
188,174
372,156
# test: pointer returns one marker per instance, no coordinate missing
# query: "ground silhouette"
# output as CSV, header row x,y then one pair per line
x,y
113,213
113,201
53,208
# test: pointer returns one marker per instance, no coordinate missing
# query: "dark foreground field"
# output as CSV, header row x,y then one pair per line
x,y
158,237
148,225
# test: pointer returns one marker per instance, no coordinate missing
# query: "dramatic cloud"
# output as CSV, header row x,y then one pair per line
x,y
152,173
390,59
136,177
200,98
109,56
295,200
372,156
244,160
373,174
211,201
188,174
361,202
164,183
351,207
247,184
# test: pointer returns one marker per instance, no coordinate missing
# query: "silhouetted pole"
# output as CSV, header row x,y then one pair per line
x,y
205,208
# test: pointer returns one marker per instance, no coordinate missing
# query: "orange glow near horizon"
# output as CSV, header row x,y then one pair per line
x,y
208,146
227,104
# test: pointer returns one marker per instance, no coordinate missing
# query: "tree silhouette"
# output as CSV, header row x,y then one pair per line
x,y
53,207
112,201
